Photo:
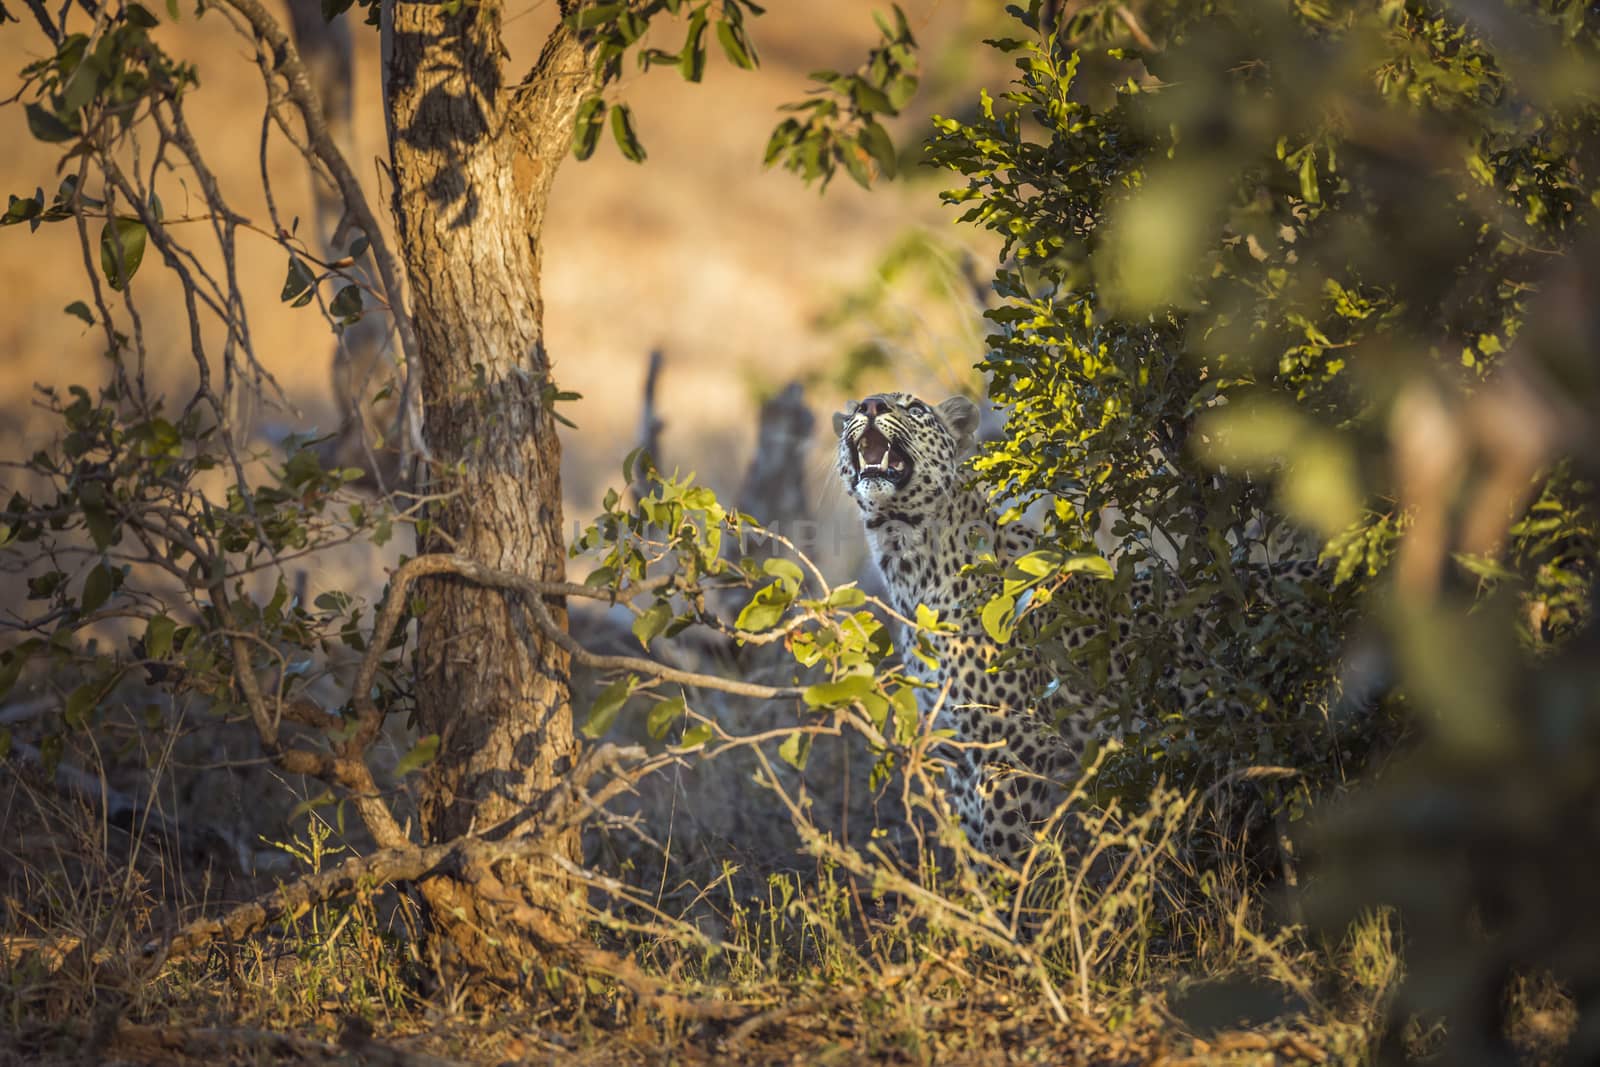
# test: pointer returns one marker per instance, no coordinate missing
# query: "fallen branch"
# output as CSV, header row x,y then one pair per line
x,y
214,1042
472,861
359,874
408,864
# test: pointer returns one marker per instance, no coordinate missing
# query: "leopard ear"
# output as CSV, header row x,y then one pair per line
x,y
839,418
961,415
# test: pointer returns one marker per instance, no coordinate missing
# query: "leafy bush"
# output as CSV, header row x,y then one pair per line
x,y
1224,259
1299,279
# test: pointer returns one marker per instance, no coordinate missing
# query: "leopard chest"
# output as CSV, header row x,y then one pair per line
x,y
963,688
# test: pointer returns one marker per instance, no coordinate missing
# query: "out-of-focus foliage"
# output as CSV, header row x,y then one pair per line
x,y
838,126
616,27
914,312
1289,278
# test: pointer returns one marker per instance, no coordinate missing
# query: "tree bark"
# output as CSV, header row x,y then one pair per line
x,y
473,162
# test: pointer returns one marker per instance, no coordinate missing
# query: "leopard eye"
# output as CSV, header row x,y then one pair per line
x,y
918,407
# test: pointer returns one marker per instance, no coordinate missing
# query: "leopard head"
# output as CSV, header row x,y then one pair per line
x,y
898,453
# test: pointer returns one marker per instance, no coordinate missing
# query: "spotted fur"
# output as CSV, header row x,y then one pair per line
x,y
1014,754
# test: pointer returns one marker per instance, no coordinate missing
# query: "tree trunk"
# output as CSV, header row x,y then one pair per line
x,y
473,163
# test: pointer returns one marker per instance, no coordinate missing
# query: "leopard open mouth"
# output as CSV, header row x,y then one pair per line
x,y
875,456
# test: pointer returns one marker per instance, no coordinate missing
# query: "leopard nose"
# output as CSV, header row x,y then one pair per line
x,y
874,406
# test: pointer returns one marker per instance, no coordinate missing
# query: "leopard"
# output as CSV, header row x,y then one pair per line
x,y
1017,732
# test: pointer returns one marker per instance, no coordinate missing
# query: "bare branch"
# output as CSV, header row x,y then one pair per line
x,y
50,29
304,97
1135,30
535,592
407,864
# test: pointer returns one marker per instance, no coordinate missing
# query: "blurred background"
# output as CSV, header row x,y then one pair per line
x,y
736,273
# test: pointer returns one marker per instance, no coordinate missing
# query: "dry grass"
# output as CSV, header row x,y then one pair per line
x,y
1154,937
1127,948
1126,952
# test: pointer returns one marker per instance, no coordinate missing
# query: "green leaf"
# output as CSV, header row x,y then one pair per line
x,y
647,626
999,616
902,87
11,664
46,126
80,89
846,596
1157,237
606,706
1040,563
906,714
81,310
97,586
786,571
795,750
846,690
424,752
867,98
82,701
97,516
1090,563
589,16
121,250
663,715
854,158
1321,486
736,47
312,803
346,305
22,209
1484,567
695,736
627,137
765,608
692,60
158,637
875,139
1309,191
300,285
586,130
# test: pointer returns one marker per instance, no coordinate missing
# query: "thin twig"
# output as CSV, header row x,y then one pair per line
x,y
303,95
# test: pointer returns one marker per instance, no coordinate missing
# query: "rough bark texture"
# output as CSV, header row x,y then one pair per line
x,y
473,162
